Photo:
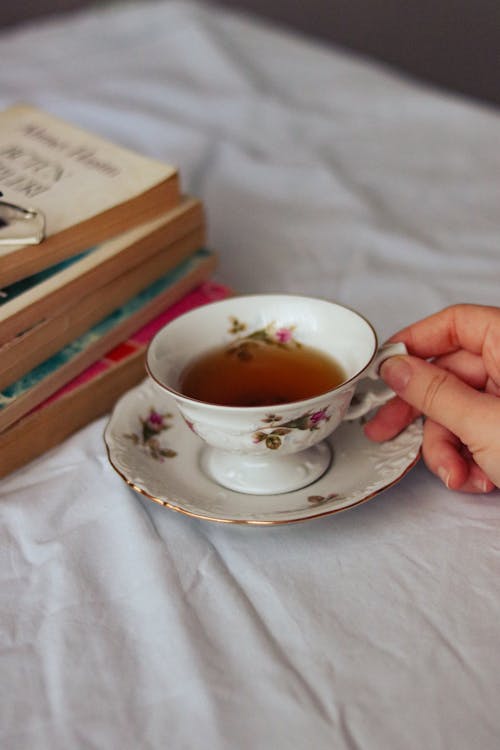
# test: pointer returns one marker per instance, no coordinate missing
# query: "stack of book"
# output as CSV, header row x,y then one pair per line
x,y
123,252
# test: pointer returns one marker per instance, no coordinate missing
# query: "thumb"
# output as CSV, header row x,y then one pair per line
x,y
440,395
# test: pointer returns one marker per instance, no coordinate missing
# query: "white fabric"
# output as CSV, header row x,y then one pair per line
x,y
124,625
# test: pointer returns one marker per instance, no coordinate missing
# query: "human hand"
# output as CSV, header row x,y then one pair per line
x,y
458,392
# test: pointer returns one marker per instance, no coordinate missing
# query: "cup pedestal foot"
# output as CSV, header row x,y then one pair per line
x,y
266,475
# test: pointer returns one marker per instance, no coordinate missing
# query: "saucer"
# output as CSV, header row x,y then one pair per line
x,y
155,452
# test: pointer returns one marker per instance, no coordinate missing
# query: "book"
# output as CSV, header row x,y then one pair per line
x,y
25,303
38,384
27,350
94,392
88,188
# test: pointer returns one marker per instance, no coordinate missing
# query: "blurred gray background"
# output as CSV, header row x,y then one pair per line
x,y
454,44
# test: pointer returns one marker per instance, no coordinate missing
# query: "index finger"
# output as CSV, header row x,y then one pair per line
x,y
469,327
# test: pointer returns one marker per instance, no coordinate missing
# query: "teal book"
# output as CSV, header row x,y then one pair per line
x,y
38,384
31,283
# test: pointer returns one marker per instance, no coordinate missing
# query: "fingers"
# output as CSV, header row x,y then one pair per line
x,y
471,369
446,457
466,366
394,416
470,327
442,451
389,420
458,393
470,415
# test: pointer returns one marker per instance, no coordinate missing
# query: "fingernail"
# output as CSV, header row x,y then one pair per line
x,y
480,484
396,372
444,475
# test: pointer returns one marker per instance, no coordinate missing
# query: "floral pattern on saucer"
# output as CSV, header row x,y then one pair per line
x,y
320,499
152,425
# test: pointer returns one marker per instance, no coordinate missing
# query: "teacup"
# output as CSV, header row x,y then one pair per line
x,y
279,447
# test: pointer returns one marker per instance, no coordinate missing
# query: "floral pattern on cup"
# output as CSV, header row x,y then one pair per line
x,y
272,335
151,427
277,429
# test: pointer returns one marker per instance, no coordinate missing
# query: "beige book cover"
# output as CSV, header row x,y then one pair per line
x,y
87,187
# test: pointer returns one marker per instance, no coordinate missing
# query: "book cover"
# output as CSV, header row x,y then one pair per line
x,y
38,384
88,188
94,392
26,302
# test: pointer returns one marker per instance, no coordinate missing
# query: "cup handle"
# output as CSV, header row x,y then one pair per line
x,y
370,399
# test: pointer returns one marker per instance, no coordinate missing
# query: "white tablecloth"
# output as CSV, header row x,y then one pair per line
x,y
125,625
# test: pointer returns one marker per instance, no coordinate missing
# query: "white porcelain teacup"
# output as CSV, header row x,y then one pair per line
x,y
282,447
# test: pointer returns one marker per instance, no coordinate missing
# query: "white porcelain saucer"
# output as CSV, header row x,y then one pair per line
x,y
155,452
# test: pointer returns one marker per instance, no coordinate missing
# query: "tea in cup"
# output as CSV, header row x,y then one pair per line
x,y
263,380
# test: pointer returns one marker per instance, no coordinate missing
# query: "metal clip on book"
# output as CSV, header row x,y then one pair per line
x,y
20,226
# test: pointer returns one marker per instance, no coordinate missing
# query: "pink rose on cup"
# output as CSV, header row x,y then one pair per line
x,y
284,335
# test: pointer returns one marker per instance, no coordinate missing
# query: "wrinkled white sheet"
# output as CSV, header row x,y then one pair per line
x,y
124,625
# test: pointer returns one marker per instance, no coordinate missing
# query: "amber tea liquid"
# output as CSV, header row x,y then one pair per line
x,y
259,374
